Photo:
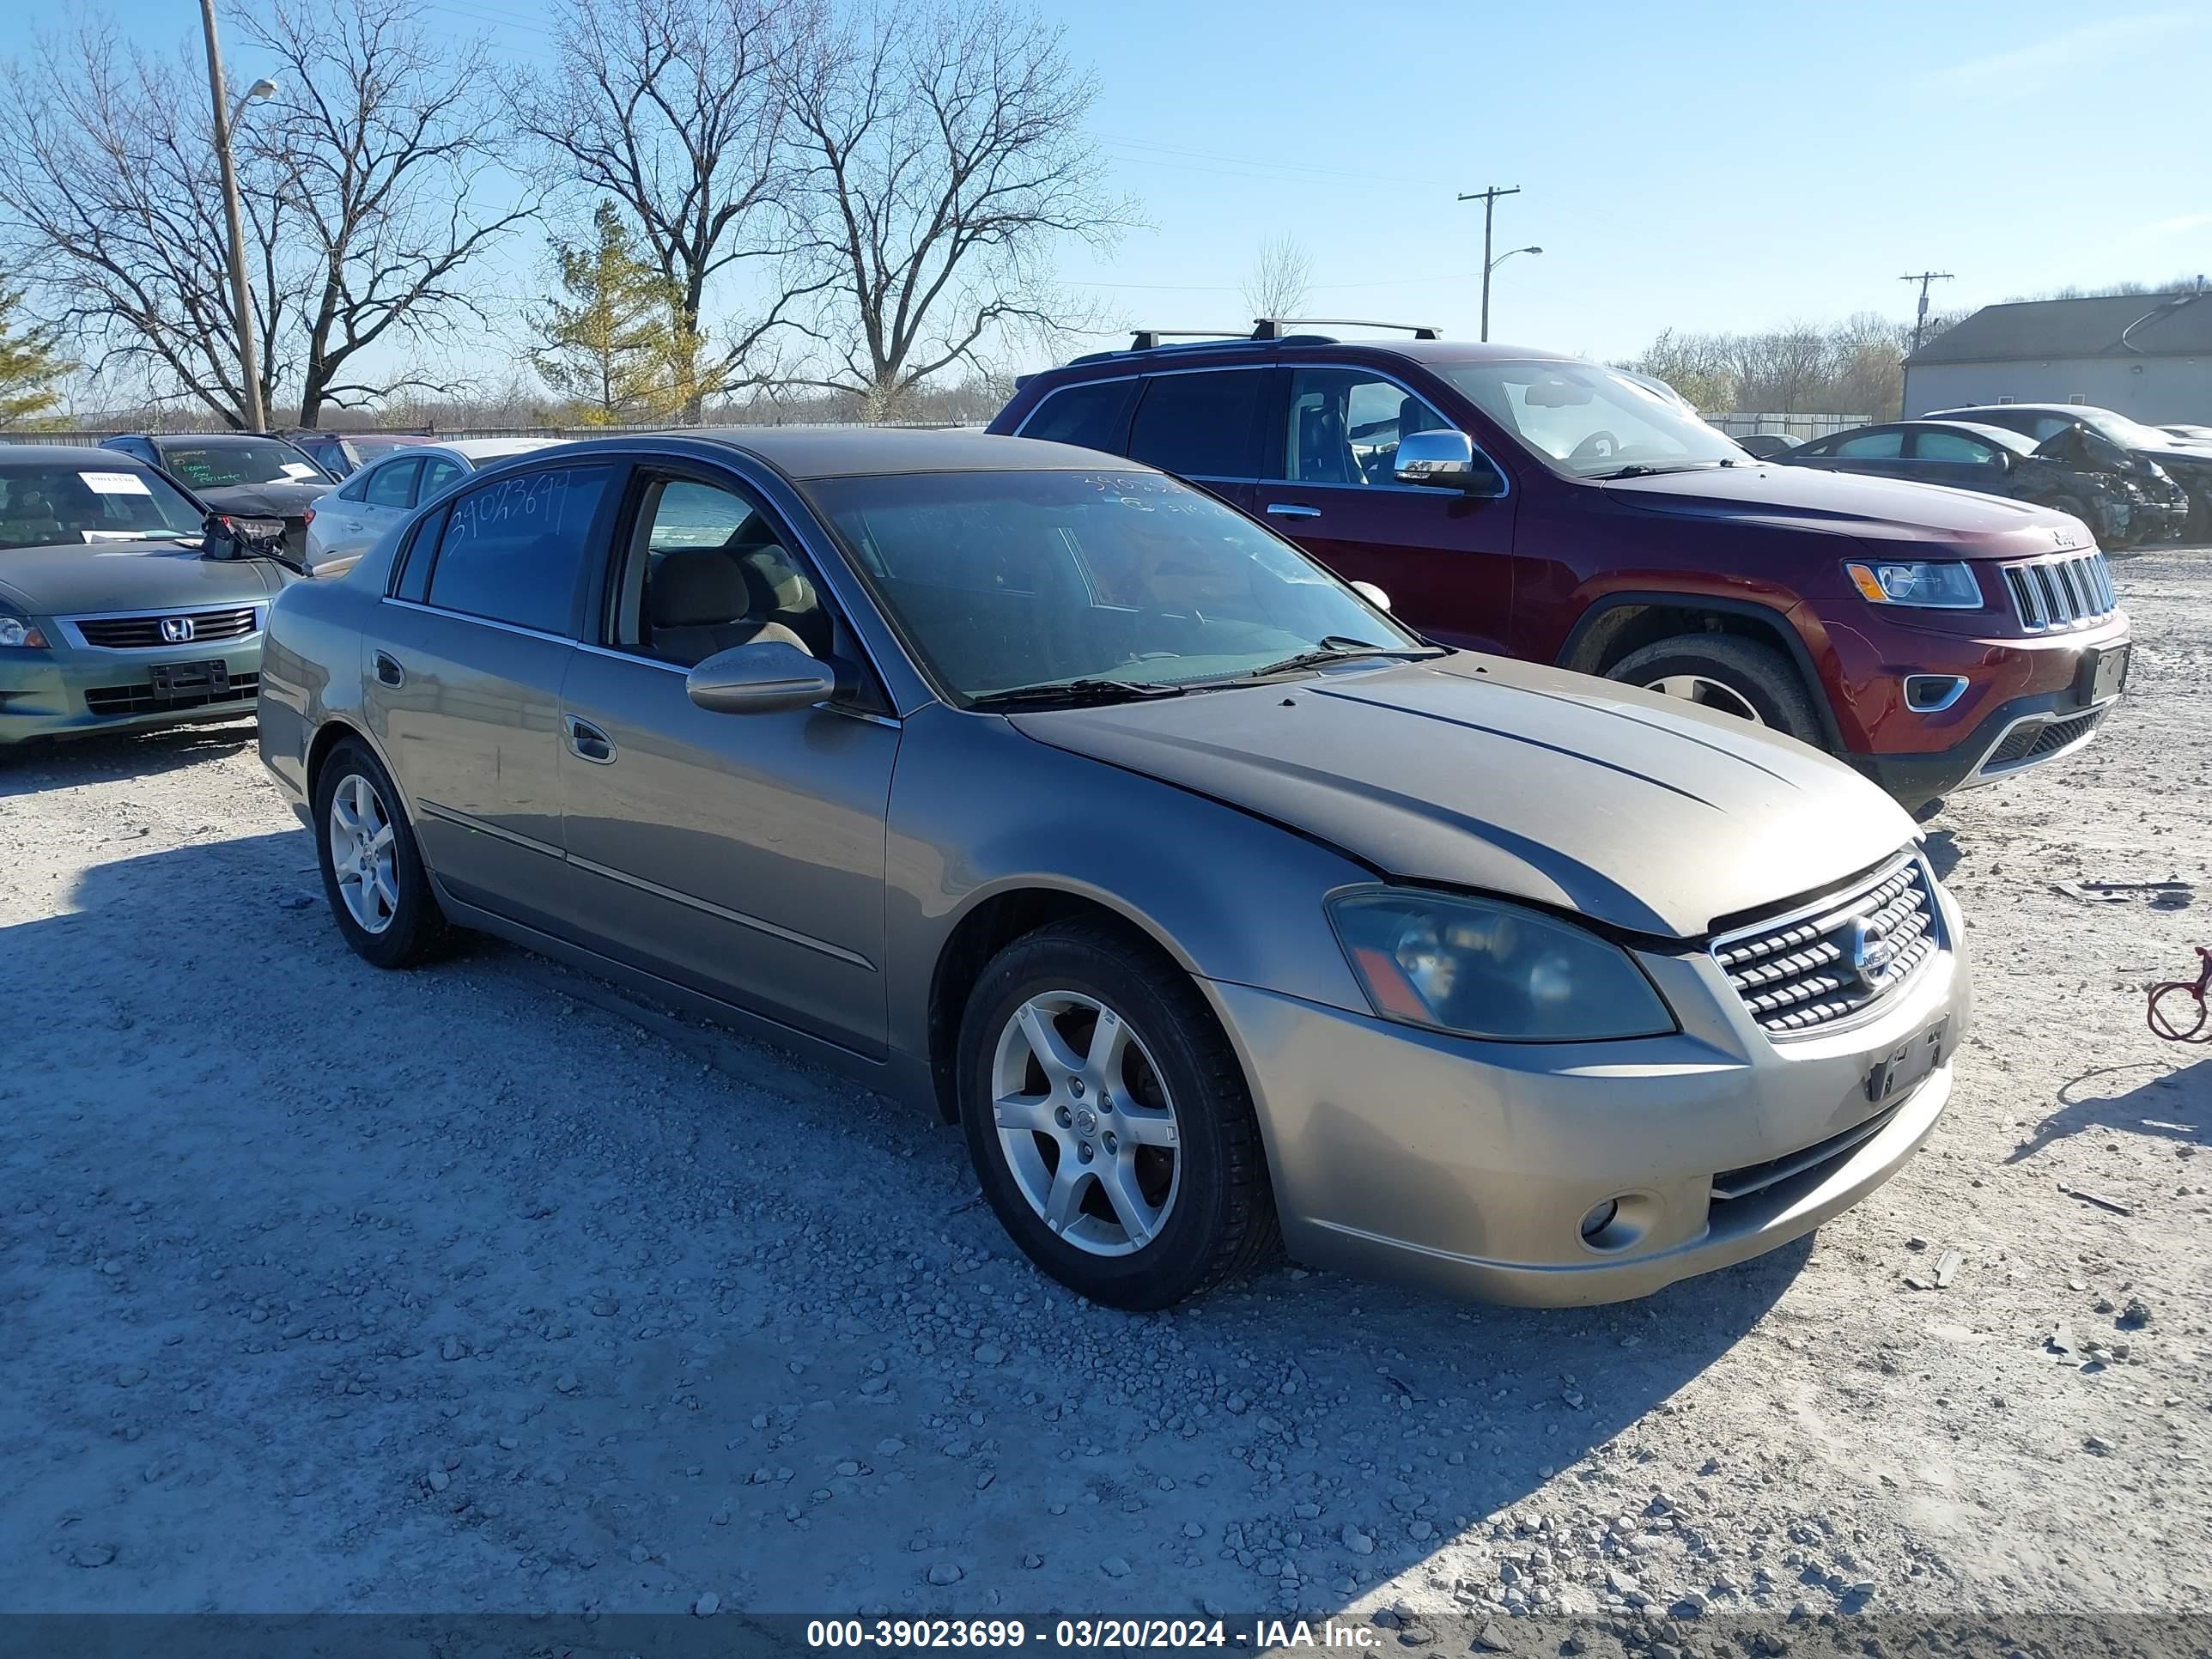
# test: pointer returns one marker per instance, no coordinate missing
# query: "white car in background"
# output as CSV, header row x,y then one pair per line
x,y
346,523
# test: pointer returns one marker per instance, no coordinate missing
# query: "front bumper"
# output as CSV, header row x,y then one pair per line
x,y
73,691
1404,1154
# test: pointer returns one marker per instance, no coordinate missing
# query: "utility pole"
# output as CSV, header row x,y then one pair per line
x,y
241,296
1920,322
1489,200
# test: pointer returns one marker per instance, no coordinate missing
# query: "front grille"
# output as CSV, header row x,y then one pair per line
x,y
2061,592
2030,743
145,633
1753,1178
1825,963
109,701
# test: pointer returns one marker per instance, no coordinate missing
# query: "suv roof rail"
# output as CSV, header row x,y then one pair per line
x,y
1271,328
1196,339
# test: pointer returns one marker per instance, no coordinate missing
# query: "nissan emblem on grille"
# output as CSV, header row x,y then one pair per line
x,y
177,631
1828,961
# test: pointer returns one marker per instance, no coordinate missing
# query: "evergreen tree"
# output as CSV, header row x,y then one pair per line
x,y
607,345
29,365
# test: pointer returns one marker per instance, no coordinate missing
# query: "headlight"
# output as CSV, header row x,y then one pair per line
x,y
19,635
1918,582
1484,969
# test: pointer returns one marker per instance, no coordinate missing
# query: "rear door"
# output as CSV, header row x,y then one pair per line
x,y
463,678
1204,426
741,855
1329,483
351,522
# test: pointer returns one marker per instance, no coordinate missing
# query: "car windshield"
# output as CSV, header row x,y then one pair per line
x,y
1090,583
2129,434
238,461
102,499
1588,422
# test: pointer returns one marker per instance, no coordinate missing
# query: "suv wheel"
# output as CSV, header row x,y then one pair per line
x,y
1729,675
1108,1121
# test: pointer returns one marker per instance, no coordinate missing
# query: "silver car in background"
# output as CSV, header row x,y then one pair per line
x,y
346,523
1062,799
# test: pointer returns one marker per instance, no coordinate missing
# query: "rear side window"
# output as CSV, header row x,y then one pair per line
x,y
1093,416
514,551
1953,446
1202,425
439,474
1871,447
393,484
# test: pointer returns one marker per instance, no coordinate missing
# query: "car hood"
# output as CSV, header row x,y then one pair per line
x,y
1641,811
274,500
74,578
1888,510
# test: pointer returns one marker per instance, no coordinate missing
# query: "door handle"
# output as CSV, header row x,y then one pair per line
x,y
388,671
1291,510
589,742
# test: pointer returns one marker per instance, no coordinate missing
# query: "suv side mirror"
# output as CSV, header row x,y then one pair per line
x,y
764,677
1447,459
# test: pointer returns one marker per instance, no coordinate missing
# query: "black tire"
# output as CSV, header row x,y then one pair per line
x,y
417,930
1221,1223
1758,674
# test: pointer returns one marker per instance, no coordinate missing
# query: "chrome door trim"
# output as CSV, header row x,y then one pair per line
x,y
433,809
806,940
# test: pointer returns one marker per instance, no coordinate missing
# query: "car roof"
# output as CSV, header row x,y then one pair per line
x,y
214,439
82,455
2077,411
2018,441
849,452
479,449
1327,347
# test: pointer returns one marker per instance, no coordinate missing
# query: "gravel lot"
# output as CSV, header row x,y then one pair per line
x,y
480,1288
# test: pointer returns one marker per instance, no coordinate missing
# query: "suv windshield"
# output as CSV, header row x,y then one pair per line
x,y
104,500
238,461
1126,582
1589,422
2129,434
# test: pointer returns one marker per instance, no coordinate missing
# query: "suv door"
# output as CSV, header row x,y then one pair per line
x,y
741,855
462,679
1202,425
1329,483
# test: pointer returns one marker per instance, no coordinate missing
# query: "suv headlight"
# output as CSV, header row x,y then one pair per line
x,y
16,634
1920,582
1480,968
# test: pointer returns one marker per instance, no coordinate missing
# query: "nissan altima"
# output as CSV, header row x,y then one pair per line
x,y
1213,905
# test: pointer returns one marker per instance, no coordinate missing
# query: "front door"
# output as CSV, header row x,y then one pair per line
x,y
1444,558
741,855
464,677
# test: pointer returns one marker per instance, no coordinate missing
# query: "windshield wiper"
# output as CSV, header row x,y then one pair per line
x,y
1338,647
1643,470
1074,691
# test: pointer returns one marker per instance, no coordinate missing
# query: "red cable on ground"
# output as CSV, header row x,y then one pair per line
x,y
2163,1025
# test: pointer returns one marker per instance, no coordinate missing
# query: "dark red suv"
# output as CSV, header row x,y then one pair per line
x,y
1553,509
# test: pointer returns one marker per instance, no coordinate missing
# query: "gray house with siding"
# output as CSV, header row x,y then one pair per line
x,y
2148,355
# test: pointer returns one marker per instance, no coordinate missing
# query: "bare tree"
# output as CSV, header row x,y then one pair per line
x,y
384,145
673,108
1280,278
943,161
110,199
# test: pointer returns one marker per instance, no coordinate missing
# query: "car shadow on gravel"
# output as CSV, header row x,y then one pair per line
x,y
1321,1434
2175,1104
60,762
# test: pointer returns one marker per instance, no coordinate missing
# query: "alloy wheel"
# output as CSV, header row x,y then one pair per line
x,y
1711,693
364,853
1086,1123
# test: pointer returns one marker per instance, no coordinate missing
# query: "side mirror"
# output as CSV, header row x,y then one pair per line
x,y
762,677
1447,459
1374,595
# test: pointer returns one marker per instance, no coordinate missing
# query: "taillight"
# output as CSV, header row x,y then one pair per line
x,y
310,519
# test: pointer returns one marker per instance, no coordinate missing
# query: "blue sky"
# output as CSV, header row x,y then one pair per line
x,y
1705,166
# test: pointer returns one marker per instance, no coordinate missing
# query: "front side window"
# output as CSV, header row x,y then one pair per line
x,y
238,461
514,551
706,570
1345,425
1588,422
1201,425
1001,582
1092,416
109,498
393,485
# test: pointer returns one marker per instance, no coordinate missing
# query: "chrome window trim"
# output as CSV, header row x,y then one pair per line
x,y
481,621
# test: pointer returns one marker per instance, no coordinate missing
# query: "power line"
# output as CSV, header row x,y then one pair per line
x,y
1920,321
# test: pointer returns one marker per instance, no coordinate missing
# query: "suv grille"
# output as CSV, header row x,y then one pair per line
x,y
2062,592
145,633
2027,743
1825,963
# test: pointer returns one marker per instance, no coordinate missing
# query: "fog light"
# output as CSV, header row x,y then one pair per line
x,y
1931,694
1600,1218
